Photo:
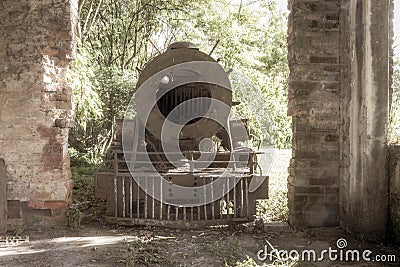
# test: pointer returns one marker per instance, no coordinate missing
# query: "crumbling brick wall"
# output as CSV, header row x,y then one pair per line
x,y
36,45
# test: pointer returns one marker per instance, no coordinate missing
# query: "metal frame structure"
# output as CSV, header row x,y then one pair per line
x,y
129,204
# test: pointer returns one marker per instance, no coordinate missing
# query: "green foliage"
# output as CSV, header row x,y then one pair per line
x,y
81,78
117,38
84,137
260,120
275,207
82,175
394,127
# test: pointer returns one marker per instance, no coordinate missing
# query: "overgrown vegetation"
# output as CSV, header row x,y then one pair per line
x,y
394,129
275,208
85,208
117,38
142,253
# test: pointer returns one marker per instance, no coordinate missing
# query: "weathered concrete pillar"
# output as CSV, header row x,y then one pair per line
x,y
364,116
36,45
394,191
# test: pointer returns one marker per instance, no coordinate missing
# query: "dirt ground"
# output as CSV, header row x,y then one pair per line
x,y
109,245
98,244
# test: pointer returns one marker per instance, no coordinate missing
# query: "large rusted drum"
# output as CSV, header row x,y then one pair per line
x,y
195,129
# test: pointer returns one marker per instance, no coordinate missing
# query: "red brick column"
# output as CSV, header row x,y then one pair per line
x,y
36,45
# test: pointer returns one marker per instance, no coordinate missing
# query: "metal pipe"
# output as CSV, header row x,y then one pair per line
x,y
212,197
241,198
215,46
223,199
234,201
247,196
161,198
123,198
145,198
152,200
228,203
205,199
138,200
198,213
115,184
130,197
115,197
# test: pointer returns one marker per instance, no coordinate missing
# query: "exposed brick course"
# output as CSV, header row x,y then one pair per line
x,y
36,45
314,105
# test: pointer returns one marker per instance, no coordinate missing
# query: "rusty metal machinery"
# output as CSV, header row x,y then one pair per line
x,y
128,191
